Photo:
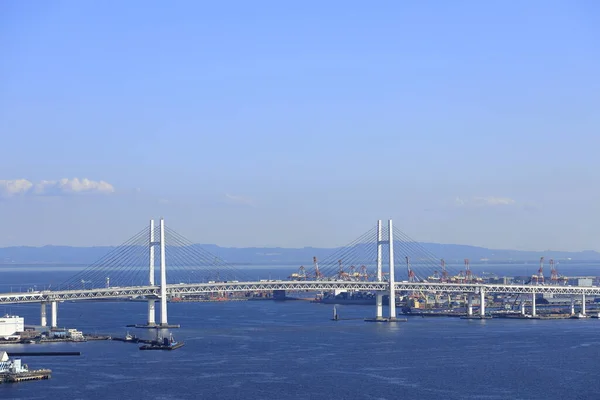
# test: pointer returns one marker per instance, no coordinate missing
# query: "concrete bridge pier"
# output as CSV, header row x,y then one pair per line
x,y
572,305
54,314
470,304
522,307
43,320
482,302
151,312
379,303
583,303
533,310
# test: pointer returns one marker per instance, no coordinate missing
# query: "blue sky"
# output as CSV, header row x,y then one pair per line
x,y
268,123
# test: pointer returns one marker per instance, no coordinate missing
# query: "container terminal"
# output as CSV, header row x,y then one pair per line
x,y
417,303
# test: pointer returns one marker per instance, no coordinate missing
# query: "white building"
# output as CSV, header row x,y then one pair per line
x,y
11,324
75,335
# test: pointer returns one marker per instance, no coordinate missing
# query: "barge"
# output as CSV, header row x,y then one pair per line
x,y
164,344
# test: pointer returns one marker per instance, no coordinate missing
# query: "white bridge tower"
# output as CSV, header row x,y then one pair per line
x,y
391,279
163,275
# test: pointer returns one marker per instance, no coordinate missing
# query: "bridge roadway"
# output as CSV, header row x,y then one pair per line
x,y
199,288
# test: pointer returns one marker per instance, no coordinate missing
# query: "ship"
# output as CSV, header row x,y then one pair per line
x,y
164,344
349,298
14,371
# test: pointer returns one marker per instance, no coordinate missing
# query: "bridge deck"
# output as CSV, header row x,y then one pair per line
x,y
199,288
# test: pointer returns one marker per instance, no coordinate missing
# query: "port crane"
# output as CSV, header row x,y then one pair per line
x,y
444,272
410,272
468,273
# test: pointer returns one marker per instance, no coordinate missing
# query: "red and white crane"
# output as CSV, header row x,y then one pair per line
x,y
411,273
318,273
468,273
444,272
553,273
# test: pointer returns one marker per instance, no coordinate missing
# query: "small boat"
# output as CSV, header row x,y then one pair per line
x,y
164,344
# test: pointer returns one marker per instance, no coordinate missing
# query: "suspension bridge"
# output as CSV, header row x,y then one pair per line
x,y
368,264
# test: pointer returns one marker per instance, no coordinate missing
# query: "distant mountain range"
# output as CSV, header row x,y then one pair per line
x,y
452,253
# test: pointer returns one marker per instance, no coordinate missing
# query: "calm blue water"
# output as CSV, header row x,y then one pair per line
x,y
263,349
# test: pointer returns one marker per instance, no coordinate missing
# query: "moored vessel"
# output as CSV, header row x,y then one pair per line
x,y
12,370
164,344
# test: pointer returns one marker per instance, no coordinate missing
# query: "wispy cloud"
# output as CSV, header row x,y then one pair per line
x,y
240,200
494,201
65,186
489,201
459,202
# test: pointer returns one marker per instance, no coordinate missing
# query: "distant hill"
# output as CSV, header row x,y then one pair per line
x,y
452,253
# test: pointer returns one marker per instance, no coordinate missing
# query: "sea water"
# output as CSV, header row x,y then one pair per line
x,y
292,350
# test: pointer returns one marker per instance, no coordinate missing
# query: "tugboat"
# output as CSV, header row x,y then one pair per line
x,y
164,344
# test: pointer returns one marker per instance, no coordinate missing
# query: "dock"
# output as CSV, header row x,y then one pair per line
x,y
43,353
386,319
36,375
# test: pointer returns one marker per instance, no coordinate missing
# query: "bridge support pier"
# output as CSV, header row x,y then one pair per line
x,y
54,314
522,307
482,302
583,303
572,305
151,312
43,320
533,310
470,304
379,303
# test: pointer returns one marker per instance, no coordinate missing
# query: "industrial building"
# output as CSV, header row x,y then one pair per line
x,y
10,325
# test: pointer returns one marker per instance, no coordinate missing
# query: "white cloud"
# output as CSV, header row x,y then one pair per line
x,y
15,187
489,201
9,188
242,200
